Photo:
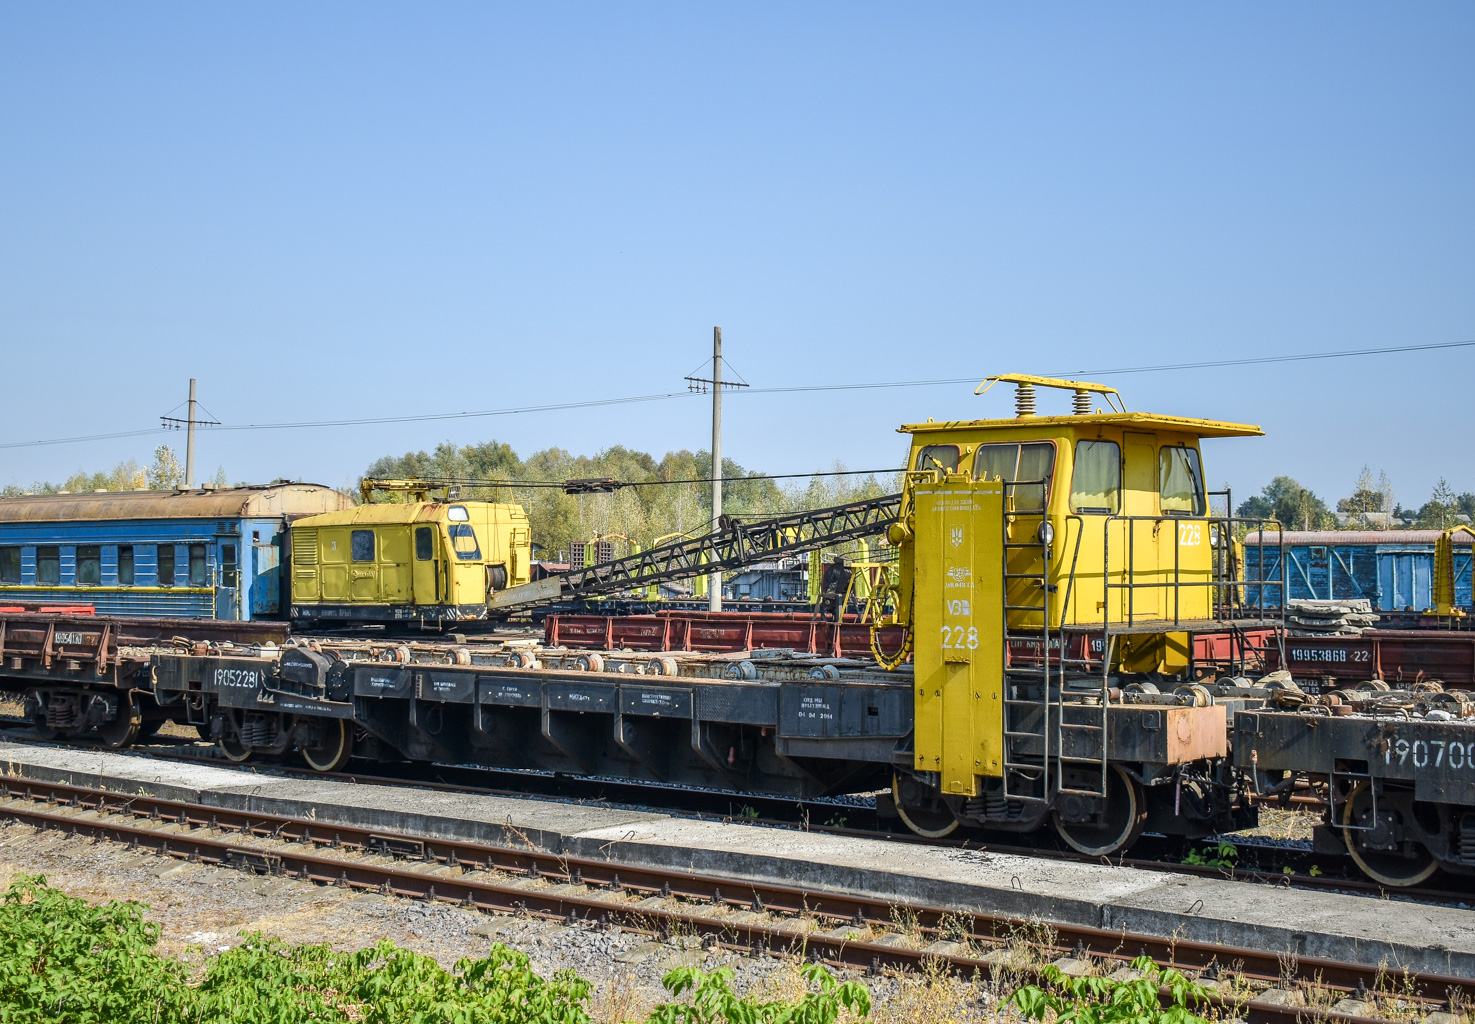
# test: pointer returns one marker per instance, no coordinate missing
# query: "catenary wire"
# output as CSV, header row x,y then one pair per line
x,y
595,403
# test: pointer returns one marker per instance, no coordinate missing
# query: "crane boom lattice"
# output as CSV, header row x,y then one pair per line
x,y
735,545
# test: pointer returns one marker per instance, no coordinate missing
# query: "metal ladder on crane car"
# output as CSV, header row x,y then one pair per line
x,y
1051,745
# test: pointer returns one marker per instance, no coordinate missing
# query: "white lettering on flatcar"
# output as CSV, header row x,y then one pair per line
x,y
71,638
816,709
237,678
1431,754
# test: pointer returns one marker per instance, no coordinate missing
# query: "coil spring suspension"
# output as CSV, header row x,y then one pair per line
x,y
259,731
1466,848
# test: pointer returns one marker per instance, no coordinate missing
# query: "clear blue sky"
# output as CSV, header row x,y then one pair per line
x,y
338,210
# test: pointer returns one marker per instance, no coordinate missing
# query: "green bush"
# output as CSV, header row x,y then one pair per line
x,y
63,959
1095,1000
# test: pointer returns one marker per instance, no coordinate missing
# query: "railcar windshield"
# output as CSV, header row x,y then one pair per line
x,y
1030,464
463,542
1181,481
1096,481
941,457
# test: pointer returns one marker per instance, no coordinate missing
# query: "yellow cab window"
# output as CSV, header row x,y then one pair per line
x,y
1096,480
1181,487
939,457
1027,465
463,542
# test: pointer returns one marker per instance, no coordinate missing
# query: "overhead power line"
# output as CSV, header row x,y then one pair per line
x,y
606,485
1116,371
875,385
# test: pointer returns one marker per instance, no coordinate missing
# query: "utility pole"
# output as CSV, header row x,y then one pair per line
x,y
189,441
189,435
714,582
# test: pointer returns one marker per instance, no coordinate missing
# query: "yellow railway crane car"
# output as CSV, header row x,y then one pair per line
x,y
1053,572
425,562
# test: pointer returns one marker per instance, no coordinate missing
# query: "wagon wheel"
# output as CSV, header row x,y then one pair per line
x,y
928,818
231,746
1126,815
334,751
38,722
124,727
1407,862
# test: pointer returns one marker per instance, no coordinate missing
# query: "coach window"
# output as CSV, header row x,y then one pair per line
x,y
361,546
9,565
463,542
89,565
939,457
1096,480
48,564
197,565
166,565
458,514
424,543
125,565
1181,481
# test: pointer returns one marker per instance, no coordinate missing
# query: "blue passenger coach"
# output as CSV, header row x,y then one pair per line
x,y
1394,569
208,553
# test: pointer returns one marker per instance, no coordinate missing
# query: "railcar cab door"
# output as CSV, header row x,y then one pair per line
x,y
464,572
1138,551
425,562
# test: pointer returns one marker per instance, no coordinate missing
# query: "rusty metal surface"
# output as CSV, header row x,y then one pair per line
x,y
89,648
1346,538
1397,656
226,503
718,632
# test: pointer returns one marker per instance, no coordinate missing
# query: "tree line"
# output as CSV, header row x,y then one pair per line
x,y
163,474
676,502
1372,505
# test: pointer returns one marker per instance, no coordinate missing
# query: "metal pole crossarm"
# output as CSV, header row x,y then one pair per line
x,y
736,545
601,485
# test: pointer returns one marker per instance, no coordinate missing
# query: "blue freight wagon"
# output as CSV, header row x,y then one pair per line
x,y
1392,568
212,553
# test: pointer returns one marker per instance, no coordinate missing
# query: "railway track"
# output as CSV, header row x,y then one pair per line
x,y
842,929
1287,867
820,816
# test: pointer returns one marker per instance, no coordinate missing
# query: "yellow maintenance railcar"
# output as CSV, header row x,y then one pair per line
x,y
424,562
1044,561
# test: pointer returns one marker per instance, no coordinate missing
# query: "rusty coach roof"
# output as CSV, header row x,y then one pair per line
x,y
1343,538
205,503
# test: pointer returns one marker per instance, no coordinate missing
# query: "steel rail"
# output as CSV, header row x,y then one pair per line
x,y
638,792
471,874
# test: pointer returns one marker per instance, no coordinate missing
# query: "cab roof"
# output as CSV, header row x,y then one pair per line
x,y
1128,420
390,512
